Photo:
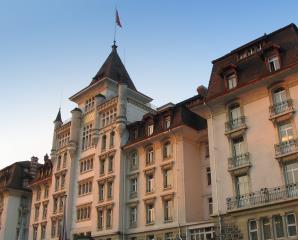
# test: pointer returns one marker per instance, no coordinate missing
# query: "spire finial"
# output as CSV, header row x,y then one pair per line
x,y
114,46
58,118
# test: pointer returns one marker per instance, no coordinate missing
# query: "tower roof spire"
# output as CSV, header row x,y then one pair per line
x,y
58,118
114,69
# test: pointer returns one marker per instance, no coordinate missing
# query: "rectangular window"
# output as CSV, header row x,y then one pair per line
x,y
167,122
55,205
87,136
232,81
36,213
102,166
291,172
238,146
89,104
167,150
149,183
133,160
133,216
278,226
133,185
167,178
86,165
53,229
101,188
150,213
110,190
83,213
266,229
202,233
242,185
110,163
64,160
62,181
286,133
253,230
63,139
109,217
150,129
46,191
43,232
208,172
35,228
85,187
44,211
169,236
291,225
108,117
273,63
99,218
149,155
210,205
168,209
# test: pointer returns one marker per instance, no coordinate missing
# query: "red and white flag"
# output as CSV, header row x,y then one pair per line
x,y
118,19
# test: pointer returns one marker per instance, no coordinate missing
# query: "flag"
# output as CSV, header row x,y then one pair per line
x,y
63,234
118,19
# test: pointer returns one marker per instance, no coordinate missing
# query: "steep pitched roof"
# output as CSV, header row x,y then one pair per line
x,y
58,118
114,69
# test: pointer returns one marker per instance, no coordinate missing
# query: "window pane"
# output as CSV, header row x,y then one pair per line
x,y
278,225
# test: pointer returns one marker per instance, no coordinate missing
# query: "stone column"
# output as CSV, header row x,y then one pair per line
x,y
99,99
76,120
121,108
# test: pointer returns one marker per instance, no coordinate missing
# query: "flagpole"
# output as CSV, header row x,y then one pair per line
x,y
115,27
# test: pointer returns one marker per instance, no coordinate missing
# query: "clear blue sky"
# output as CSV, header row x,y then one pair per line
x,y
53,46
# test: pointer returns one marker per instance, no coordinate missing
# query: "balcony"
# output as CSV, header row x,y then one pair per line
x,y
264,196
279,110
239,161
235,125
286,148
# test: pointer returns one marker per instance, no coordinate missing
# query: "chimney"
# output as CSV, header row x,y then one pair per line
x,y
33,166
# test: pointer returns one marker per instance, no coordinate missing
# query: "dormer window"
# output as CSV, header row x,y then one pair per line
x,y
273,63
150,129
231,81
167,122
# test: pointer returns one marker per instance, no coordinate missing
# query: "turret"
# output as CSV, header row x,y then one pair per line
x,y
121,107
57,123
76,118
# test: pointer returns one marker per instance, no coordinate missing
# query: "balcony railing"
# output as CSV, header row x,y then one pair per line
x,y
239,161
264,196
234,124
288,147
281,107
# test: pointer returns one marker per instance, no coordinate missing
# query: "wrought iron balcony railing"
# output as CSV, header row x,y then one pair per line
x,y
264,196
239,161
234,124
287,147
281,107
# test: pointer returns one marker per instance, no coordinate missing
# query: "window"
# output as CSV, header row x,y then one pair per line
x,y
57,180
103,142
133,216
150,129
149,183
38,193
58,162
110,163
167,178
53,229
109,217
266,229
291,224
167,122
150,237
86,165
62,181
202,233
63,139
279,96
242,185
278,226
46,191
87,136
108,117
99,218
83,213
231,81
238,146
149,155
36,213
150,213
253,230
101,188
273,63
285,131
55,205
44,211
210,205
169,236
291,172
235,112
85,187
208,172
168,209
133,160
89,104
110,190
167,150
35,228
43,232
112,139
102,166
64,160
133,186
61,203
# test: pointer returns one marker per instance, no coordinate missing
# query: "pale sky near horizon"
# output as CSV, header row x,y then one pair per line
x,y
53,48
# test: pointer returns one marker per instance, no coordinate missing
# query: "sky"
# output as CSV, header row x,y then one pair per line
x,y
51,49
